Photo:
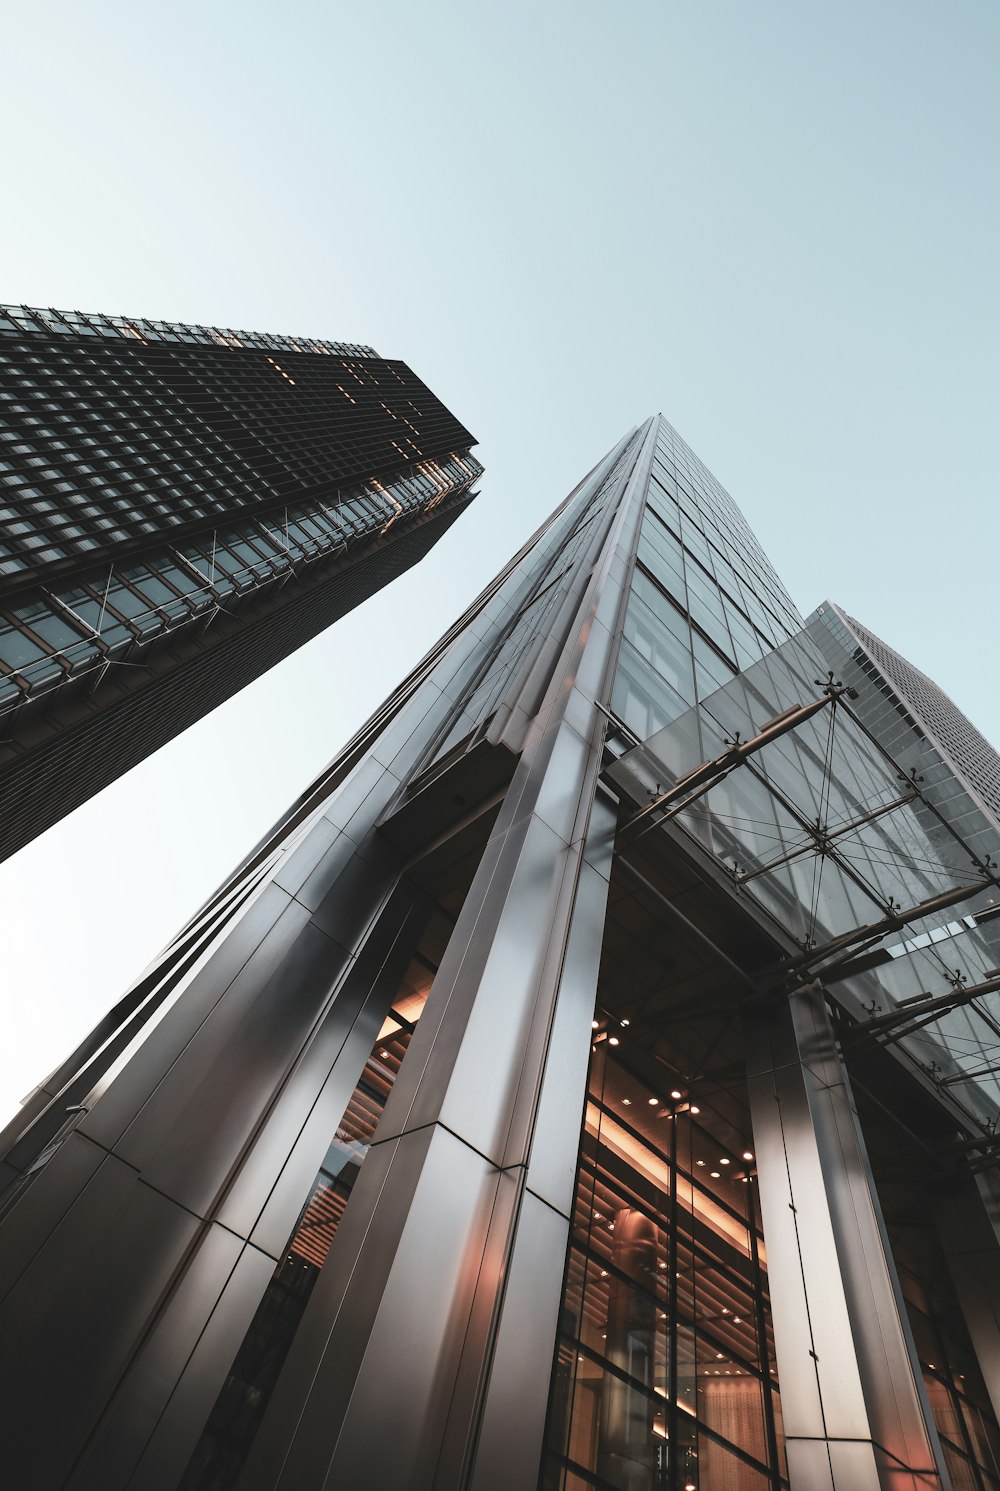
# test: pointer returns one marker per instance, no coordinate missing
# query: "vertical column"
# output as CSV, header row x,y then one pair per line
x,y
441,1293
968,1223
438,1305
854,1410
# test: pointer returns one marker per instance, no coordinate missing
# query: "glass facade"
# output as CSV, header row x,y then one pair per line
x,y
704,603
927,707
107,616
665,1372
180,508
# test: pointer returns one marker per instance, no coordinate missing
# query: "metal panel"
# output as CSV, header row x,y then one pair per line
x,y
128,1093
521,1365
111,1454
170,1447
845,1356
78,1312
192,1130
969,1238
559,1110
37,1210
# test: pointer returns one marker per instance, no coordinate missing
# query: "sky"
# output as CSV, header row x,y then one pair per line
x,y
776,223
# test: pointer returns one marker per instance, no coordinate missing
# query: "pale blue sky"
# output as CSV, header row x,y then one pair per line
x,y
775,222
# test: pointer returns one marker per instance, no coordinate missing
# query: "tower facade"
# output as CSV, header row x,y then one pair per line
x,y
930,710
588,1083
180,508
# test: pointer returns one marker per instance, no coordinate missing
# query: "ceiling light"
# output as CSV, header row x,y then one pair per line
x,y
694,1109
723,1162
626,1102
747,1154
595,1024
613,1040
715,1174
676,1094
625,1022
653,1102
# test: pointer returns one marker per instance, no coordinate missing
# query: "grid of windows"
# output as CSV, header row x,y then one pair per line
x,y
665,1374
109,439
970,751
101,616
180,508
705,602
535,596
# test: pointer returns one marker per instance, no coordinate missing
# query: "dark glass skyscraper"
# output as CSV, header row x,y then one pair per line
x,y
592,1081
180,508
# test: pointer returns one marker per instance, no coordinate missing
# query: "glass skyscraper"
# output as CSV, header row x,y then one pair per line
x,y
591,1082
180,508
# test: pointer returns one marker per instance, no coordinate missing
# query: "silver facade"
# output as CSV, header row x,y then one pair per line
x,y
618,881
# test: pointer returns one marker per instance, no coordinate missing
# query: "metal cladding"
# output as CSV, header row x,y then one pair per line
x,y
180,508
590,1081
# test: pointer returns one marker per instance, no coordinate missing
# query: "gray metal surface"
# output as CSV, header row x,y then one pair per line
x,y
846,1361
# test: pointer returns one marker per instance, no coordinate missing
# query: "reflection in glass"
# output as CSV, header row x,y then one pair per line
x,y
664,1377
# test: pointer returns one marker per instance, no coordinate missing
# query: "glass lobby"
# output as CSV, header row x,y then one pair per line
x,y
665,1374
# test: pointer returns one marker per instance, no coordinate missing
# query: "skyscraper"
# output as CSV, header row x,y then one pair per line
x,y
929,709
180,508
591,1082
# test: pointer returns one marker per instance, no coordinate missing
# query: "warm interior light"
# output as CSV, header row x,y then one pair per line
x,y
626,1102
723,1161
613,1040
694,1109
653,1102
618,1141
747,1154
676,1094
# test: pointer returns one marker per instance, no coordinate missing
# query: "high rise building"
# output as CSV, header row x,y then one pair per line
x,y
927,709
180,508
592,1081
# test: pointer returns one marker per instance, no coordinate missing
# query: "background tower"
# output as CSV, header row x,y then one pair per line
x,y
182,507
613,969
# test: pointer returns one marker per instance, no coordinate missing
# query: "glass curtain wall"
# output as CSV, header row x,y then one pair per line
x,y
705,602
665,1374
